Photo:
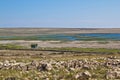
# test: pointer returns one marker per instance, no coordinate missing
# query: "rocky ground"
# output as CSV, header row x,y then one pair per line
x,y
59,66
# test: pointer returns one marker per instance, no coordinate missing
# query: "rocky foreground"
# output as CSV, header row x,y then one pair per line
x,y
102,68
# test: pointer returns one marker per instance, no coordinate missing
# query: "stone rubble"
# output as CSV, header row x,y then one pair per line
x,y
111,64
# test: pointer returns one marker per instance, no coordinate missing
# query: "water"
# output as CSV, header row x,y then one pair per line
x,y
101,36
67,37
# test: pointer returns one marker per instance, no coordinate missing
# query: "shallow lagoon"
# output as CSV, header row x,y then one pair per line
x,y
67,37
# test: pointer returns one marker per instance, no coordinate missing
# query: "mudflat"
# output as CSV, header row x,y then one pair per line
x,y
60,44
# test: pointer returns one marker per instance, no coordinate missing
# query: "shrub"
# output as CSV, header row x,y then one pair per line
x,y
34,46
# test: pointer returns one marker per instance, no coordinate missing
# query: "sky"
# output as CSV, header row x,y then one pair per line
x,y
60,13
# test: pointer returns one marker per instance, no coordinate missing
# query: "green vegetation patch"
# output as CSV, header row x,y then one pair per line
x,y
10,46
86,50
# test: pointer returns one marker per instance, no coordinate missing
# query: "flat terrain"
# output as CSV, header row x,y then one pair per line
x,y
38,31
59,44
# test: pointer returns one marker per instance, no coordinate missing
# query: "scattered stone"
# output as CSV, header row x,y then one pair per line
x,y
83,76
44,67
10,78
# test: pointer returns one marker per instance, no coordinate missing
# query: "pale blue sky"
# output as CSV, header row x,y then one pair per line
x,y
60,13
